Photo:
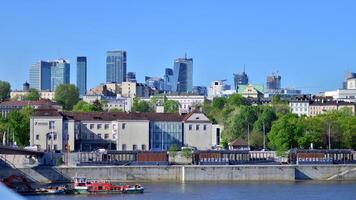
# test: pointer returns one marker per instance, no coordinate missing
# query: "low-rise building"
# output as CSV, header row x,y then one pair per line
x,y
300,105
250,91
321,106
54,130
19,95
8,106
122,103
187,101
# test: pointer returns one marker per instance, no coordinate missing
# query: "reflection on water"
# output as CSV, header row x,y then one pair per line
x,y
242,190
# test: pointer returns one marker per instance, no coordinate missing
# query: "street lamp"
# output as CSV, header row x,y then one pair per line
x,y
264,136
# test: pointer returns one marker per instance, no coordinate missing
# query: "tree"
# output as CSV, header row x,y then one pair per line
x,y
219,102
284,133
171,106
83,106
32,95
98,106
140,106
116,110
66,95
5,88
19,125
236,100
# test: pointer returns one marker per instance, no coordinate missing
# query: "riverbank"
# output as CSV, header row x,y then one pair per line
x,y
188,173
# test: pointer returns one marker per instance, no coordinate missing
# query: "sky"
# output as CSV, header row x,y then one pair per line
x,y
311,44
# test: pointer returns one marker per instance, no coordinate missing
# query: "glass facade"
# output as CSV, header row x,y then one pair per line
x,y
40,75
60,73
82,75
183,75
116,66
168,80
163,134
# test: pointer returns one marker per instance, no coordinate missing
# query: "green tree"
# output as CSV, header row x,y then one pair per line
x,y
83,106
219,102
140,106
33,95
116,110
284,133
66,95
98,106
5,88
171,106
19,125
237,100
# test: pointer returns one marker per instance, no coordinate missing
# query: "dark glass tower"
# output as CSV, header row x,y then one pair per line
x,y
183,75
82,74
116,66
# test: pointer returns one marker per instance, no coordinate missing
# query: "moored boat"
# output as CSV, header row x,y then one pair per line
x,y
84,186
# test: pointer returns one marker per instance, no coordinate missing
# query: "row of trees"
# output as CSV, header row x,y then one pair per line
x,y
278,127
16,127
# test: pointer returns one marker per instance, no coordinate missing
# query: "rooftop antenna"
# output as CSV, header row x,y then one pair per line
x,y
244,68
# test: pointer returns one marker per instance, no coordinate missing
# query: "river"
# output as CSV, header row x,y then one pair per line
x,y
303,190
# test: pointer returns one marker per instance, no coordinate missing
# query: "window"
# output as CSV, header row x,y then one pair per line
x,y
106,126
91,126
54,136
98,126
190,127
124,147
99,136
143,147
55,147
197,127
51,124
204,127
106,136
37,137
123,126
134,147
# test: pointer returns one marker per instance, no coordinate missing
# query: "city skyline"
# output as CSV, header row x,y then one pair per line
x,y
294,39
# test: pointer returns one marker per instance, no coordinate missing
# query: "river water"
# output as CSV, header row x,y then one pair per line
x,y
303,190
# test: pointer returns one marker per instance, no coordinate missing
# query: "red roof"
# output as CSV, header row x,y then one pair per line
x,y
26,103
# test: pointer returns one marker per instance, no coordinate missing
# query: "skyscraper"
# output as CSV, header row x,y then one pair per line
x,y
40,75
60,73
240,79
82,74
131,77
183,75
116,66
273,82
168,80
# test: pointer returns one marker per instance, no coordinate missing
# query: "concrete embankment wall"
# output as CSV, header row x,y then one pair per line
x,y
188,173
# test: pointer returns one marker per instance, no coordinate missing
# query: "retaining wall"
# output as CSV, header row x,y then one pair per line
x,y
188,173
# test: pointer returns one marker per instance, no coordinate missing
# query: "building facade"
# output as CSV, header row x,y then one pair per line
x,y
300,105
168,80
240,79
40,75
321,106
183,75
60,73
82,75
131,77
53,130
7,106
116,66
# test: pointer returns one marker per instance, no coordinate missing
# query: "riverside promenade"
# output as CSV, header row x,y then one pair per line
x,y
187,173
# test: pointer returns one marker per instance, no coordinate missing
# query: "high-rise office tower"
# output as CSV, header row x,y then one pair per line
x,y
116,66
183,75
168,80
273,82
82,74
240,79
60,73
40,75
156,83
131,77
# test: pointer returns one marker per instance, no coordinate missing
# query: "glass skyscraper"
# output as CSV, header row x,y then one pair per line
x,y
82,74
240,79
47,75
40,75
168,80
60,73
116,66
183,75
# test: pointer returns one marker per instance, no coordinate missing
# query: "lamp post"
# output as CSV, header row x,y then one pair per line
x,y
329,135
264,136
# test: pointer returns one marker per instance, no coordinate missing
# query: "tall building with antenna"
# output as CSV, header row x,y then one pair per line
x,y
273,82
240,79
183,74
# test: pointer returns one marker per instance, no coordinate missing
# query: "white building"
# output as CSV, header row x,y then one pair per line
x,y
218,88
188,102
19,95
348,95
300,106
118,102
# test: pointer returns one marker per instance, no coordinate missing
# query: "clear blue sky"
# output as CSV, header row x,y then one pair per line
x,y
310,43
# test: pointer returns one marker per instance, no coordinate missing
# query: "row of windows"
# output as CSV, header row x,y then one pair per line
x,y
299,104
197,127
100,126
134,147
92,136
